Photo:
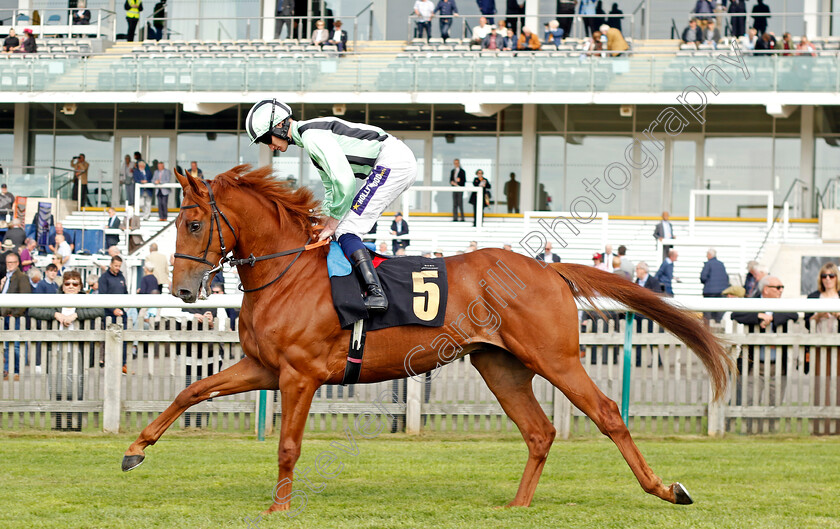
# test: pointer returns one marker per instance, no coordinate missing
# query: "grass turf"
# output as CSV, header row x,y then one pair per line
x,y
205,480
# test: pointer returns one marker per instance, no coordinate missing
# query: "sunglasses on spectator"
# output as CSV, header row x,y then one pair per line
x,y
831,276
777,287
72,284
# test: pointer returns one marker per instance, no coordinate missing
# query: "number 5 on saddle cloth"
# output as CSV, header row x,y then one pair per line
x,y
415,286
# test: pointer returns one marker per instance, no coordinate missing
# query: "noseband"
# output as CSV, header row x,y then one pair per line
x,y
251,260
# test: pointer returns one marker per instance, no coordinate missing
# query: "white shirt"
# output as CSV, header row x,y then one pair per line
x,y
481,32
68,311
666,230
426,10
64,249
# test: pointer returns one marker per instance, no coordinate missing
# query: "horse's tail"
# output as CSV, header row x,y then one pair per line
x,y
588,283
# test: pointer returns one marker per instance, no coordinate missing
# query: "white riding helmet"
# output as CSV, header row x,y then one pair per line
x,y
263,119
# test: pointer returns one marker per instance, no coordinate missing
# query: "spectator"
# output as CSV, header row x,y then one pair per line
x,y
195,172
644,279
127,175
8,247
787,44
738,17
424,10
614,21
158,20
734,291
488,9
162,176
148,283
27,254
59,230
285,12
759,272
480,31
142,175
765,44
7,202
692,34
480,181
223,315
715,280
447,10
615,40
664,230
493,41
80,177
132,17
626,263
824,323
338,37
16,234
509,42
547,256
399,227
711,35
616,268
750,41
112,281
62,249
805,48
161,266
113,224
598,262
761,12
49,284
769,287
511,191
553,33
750,281
515,15
131,224
587,8
81,15
35,278
14,282
665,274
11,42
438,253
28,45
320,35
92,284
383,248
704,9
60,269
457,178
528,40
565,12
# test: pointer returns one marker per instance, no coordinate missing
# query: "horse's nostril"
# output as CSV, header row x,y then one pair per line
x,y
184,293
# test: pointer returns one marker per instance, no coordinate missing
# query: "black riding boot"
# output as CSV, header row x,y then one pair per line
x,y
375,300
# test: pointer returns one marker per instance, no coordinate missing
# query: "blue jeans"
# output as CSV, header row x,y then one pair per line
x,y
424,26
445,24
17,348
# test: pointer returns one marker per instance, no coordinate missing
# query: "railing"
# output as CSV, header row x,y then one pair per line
x,y
829,197
694,193
369,9
103,22
799,188
73,381
443,72
406,198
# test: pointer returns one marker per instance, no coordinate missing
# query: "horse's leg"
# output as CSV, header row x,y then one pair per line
x,y
510,381
571,378
296,398
245,375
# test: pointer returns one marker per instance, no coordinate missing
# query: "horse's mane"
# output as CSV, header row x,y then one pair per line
x,y
299,203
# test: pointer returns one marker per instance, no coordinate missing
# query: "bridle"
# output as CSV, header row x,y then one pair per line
x,y
250,260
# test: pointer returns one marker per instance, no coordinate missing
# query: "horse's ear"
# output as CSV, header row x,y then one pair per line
x,y
186,181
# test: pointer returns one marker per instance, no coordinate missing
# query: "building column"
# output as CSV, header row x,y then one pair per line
x,y
531,18
269,12
806,157
20,150
528,186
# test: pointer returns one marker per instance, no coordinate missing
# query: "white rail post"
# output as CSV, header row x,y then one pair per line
x,y
562,415
413,403
717,416
111,407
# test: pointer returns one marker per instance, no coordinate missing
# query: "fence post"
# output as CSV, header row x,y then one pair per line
x,y
562,415
717,415
111,407
413,402
628,364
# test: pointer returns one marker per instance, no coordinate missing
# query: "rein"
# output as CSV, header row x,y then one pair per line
x,y
251,260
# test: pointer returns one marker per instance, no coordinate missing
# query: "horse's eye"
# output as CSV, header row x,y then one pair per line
x,y
195,226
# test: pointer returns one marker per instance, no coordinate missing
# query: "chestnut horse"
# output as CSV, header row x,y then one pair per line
x,y
292,340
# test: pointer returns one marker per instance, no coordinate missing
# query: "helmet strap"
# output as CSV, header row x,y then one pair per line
x,y
282,131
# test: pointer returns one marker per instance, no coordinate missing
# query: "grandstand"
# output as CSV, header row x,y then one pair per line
x,y
557,118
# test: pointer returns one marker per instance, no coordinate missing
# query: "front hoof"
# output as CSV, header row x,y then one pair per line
x,y
132,462
681,496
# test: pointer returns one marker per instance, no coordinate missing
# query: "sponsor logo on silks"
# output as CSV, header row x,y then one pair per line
x,y
376,179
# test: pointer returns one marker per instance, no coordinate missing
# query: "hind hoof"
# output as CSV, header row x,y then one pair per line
x,y
681,496
132,462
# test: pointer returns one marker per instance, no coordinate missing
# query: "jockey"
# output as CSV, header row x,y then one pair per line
x,y
342,151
